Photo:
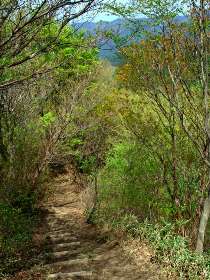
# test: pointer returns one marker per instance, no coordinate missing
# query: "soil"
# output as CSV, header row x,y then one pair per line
x,y
77,250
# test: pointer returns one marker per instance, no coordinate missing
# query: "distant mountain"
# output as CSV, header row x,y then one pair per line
x,y
108,49
123,30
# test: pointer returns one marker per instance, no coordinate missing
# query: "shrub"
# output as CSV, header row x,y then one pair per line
x,y
170,250
16,229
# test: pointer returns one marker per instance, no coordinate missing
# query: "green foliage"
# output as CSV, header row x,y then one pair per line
x,y
34,40
170,250
133,180
35,117
125,126
167,121
128,182
133,198
173,250
86,165
48,119
16,229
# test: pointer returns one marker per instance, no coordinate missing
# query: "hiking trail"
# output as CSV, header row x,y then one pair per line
x,y
78,250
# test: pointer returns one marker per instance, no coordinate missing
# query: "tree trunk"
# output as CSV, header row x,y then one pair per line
x,y
203,224
95,200
203,18
3,149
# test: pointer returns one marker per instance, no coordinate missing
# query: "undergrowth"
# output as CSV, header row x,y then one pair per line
x,y
16,232
170,250
133,198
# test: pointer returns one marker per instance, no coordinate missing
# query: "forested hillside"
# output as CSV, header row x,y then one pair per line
x,y
113,35
136,133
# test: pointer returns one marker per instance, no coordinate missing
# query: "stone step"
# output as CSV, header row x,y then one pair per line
x,y
62,239
58,211
71,275
55,218
60,223
59,231
65,246
59,234
62,203
62,266
65,255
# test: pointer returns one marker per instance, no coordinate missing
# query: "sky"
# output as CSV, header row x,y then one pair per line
x,y
108,17
92,17
104,17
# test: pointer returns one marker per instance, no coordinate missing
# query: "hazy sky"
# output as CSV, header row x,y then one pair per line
x,y
93,17
104,17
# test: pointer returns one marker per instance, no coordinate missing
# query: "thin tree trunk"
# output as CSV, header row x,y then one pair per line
x,y
174,169
203,17
95,200
3,149
203,224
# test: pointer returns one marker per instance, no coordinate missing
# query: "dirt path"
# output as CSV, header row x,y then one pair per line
x,y
77,250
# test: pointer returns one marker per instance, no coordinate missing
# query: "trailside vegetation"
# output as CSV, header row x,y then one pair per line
x,y
45,67
139,132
